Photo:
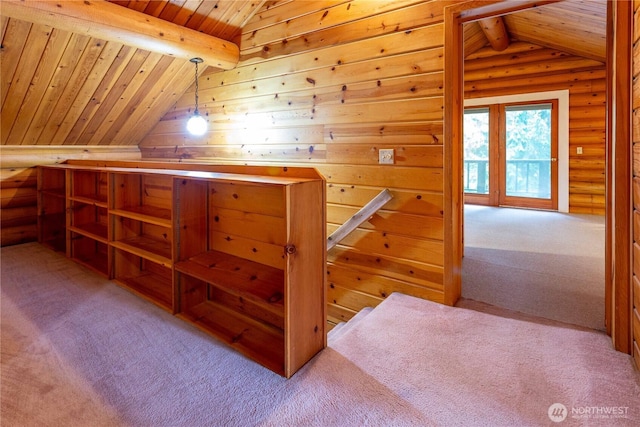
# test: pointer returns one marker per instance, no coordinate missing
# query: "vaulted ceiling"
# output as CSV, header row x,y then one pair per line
x,y
64,87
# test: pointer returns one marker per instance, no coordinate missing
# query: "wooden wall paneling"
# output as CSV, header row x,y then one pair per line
x,y
363,87
152,107
41,81
635,139
427,204
277,11
375,285
334,56
13,40
55,89
417,273
392,222
18,205
20,84
84,91
152,71
113,87
273,44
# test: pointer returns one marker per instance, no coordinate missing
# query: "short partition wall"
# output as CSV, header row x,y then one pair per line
x,y
238,254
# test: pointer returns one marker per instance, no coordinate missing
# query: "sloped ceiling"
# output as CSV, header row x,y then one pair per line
x,y
63,88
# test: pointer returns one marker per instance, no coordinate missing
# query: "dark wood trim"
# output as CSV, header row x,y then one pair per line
x,y
621,173
453,188
526,202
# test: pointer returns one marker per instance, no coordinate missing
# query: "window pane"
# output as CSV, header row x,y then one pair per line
x,y
528,151
476,151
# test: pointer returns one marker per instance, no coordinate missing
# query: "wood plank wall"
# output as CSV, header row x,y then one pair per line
x,y
635,290
526,68
18,204
373,80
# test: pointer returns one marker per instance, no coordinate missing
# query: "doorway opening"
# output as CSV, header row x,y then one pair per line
x,y
519,228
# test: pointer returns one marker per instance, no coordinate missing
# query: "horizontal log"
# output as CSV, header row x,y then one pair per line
x,y
337,313
17,235
409,64
24,215
353,300
18,177
250,152
108,21
571,64
345,53
242,135
585,78
587,210
17,197
394,246
420,203
21,156
515,59
423,14
423,179
410,155
386,221
409,271
427,132
389,89
375,284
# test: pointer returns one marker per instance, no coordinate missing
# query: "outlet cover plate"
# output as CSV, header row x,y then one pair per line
x,y
386,156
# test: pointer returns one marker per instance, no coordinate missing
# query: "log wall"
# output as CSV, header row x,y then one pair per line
x,y
18,208
526,68
373,80
635,286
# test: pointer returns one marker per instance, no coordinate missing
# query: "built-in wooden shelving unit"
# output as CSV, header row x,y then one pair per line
x,y
239,252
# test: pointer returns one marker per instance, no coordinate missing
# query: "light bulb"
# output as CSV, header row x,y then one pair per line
x,y
197,125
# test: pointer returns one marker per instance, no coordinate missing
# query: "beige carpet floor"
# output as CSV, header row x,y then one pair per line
x,y
76,350
547,264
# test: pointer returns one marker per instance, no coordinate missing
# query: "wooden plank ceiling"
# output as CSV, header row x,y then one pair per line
x,y
63,88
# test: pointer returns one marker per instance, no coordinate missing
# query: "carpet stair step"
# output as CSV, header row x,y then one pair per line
x,y
344,327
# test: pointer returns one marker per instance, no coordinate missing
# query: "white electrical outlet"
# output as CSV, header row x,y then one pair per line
x,y
385,156
579,150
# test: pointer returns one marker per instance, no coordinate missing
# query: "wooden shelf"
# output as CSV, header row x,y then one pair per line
x,y
237,251
54,192
89,186
89,201
146,278
148,214
148,248
95,231
261,284
258,341
90,252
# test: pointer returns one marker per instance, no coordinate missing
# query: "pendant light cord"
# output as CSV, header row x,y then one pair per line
x,y
196,111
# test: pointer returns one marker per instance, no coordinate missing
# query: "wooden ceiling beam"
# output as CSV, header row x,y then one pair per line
x,y
496,32
107,21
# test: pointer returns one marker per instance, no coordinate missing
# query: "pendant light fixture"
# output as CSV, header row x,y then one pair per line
x,y
196,125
